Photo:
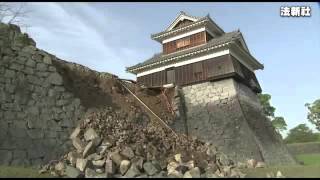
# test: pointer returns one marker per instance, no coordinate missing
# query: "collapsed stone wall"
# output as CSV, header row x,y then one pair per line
x,y
228,114
37,113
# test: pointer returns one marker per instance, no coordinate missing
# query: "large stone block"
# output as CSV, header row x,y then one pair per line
x,y
41,67
9,73
16,66
31,63
5,157
55,79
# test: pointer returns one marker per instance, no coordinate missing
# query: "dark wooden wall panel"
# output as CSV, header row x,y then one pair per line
x,y
219,67
195,39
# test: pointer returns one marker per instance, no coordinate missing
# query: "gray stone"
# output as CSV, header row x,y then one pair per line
x,y
212,168
62,102
9,73
55,79
102,149
78,144
47,60
29,49
33,110
28,70
279,175
241,165
52,69
110,167
52,93
227,171
41,67
16,66
72,158
98,163
177,157
90,134
143,176
116,158
6,157
161,174
81,164
138,161
260,165
37,58
150,169
189,164
31,63
132,172
91,146
100,170
90,173
192,173
72,172
124,166
75,133
18,132
94,157
42,74
251,163
127,152
60,166
172,166
35,133
175,174
211,175
19,154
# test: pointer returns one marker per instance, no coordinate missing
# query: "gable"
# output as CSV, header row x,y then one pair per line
x,y
182,23
241,42
182,18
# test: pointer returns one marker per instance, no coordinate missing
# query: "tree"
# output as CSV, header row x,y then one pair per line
x,y
314,113
268,110
301,133
279,123
14,13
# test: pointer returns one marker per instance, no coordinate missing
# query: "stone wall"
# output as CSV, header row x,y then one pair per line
x,y
37,113
304,148
228,114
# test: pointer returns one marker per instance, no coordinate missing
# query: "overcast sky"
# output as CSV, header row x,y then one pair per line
x,y
111,36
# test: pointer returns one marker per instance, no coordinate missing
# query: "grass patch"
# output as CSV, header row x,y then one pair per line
x,y
297,171
21,172
309,159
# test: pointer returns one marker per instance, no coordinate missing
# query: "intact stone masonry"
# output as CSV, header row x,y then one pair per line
x,y
229,115
37,114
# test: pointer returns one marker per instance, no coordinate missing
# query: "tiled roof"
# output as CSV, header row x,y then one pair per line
x,y
227,37
182,28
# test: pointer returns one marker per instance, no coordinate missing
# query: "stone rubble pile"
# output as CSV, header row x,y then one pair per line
x,y
110,143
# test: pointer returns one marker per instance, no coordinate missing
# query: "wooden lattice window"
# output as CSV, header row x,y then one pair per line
x,y
183,42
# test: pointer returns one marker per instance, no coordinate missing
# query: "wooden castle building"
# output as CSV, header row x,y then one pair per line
x,y
215,89
196,50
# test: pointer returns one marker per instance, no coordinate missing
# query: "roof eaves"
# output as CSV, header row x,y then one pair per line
x,y
165,33
255,61
133,69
